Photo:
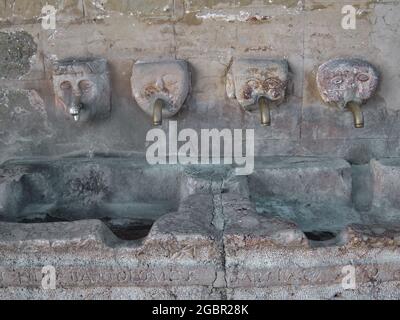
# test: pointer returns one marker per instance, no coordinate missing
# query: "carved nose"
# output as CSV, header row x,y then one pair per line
x,y
160,84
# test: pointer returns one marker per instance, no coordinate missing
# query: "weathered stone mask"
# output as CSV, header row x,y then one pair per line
x,y
160,88
250,80
347,83
82,88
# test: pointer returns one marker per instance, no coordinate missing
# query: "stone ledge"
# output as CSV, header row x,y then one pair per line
x,y
305,179
386,187
216,241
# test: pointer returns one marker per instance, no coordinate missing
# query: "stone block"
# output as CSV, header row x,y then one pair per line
x,y
303,179
386,186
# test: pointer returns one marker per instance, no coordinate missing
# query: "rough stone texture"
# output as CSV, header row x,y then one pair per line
x,y
343,80
19,108
115,293
220,241
386,290
16,51
25,11
89,255
329,127
23,109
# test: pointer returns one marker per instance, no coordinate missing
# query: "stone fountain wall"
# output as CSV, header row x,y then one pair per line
x,y
209,35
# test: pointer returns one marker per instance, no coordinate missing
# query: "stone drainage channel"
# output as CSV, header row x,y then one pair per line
x,y
289,230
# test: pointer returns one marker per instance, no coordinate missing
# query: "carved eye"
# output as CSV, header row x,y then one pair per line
x,y
362,77
272,83
275,94
337,80
66,85
254,84
85,85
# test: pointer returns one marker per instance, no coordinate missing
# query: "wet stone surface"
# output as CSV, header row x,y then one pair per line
x,y
311,217
343,80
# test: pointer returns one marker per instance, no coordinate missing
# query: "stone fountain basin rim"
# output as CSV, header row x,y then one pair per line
x,y
79,234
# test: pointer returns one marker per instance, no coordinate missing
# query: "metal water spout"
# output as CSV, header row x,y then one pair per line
x,y
157,112
358,116
265,111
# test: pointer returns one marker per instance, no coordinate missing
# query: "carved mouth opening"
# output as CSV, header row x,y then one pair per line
x,y
124,229
322,238
320,235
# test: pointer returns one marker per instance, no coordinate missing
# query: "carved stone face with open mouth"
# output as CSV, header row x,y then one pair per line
x,y
257,84
82,88
343,80
347,83
160,88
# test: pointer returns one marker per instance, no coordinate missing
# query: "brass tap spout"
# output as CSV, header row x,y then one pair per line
x,y
157,112
265,111
355,109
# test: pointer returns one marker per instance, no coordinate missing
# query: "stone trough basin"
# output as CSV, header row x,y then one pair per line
x,y
111,228
118,228
126,196
315,194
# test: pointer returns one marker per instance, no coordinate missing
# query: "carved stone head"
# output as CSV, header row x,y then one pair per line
x,y
82,88
250,79
166,80
341,81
